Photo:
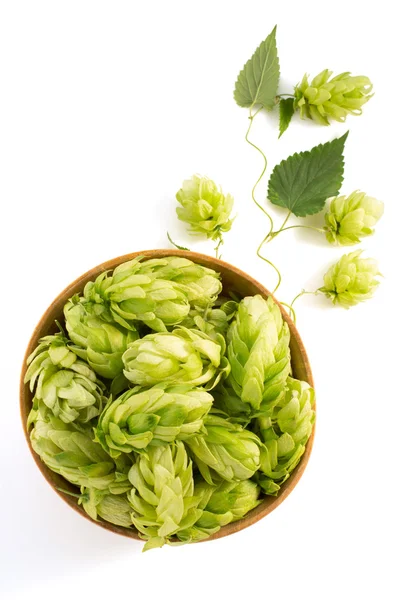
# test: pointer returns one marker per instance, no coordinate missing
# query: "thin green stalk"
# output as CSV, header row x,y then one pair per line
x,y
69,493
62,331
282,228
217,247
272,265
274,233
251,118
303,293
176,245
292,312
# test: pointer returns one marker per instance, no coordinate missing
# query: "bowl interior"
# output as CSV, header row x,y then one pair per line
x,y
233,280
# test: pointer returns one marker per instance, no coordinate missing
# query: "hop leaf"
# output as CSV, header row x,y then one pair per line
x,y
258,352
351,280
351,218
184,356
226,448
162,495
304,181
257,82
285,435
100,341
287,110
159,414
335,98
77,457
204,207
65,386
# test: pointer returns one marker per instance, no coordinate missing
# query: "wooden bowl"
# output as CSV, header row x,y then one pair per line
x,y
232,279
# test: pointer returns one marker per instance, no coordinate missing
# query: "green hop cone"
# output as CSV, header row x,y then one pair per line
x,y
351,280
335,98
351,218
64,385
204,207
77,457
226,448
201,285
159,414
183,356
110,507
227,401
258,352
158,292
285,435
222,504
212,320
132,296
235,497
101,343
162,496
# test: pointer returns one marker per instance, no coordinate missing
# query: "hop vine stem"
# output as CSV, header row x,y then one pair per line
x,y
69,493
285,96
272,234
251,119
291,309
302,293
292,312
217,247
176,245
319,229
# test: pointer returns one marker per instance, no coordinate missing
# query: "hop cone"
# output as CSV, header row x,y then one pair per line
x,y
110,507
204,207
285,435
227,401
157,292
226,448
132,296
209,320
223,504
183,356
335,98
351,218
101,343
258,352
159,414
351,280
200,284
162,495
74,455
65,385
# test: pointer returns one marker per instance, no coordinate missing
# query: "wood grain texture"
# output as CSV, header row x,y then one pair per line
x,y
233,279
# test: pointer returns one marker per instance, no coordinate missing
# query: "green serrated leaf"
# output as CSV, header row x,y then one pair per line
x,y
257,82
286,113
303,181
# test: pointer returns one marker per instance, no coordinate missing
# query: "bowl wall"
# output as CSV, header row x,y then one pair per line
x,y
233,279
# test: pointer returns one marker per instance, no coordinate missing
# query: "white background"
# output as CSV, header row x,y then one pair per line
x,y
105,108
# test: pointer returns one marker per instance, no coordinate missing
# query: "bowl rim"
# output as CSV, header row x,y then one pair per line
x,y
271,502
